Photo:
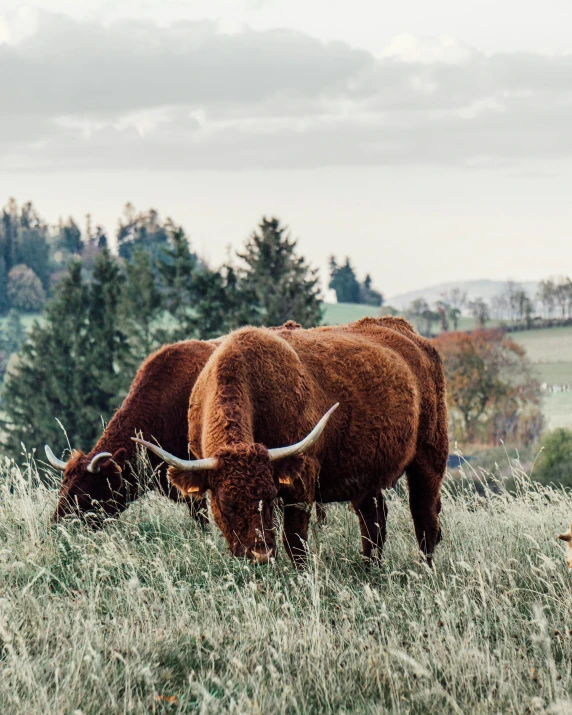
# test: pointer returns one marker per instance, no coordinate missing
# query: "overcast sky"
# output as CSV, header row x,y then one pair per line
x,y
431,141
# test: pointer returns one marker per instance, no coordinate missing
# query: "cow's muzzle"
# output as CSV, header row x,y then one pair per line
x,y
262,553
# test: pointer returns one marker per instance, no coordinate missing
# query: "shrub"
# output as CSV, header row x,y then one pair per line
x,y
554,465
25,291
491,388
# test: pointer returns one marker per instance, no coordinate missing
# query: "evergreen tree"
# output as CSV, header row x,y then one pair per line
x,y
219,304
4,300
24,239
277,281
368,295
33,251
50,379
100,238
11,339
176,267
70,239
8,234
142,230
13,334
141,307
344,282
70,366
107,338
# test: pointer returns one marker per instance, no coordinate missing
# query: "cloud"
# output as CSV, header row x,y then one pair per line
x,y
132,94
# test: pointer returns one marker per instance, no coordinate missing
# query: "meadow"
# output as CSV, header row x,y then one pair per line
x,y
151,614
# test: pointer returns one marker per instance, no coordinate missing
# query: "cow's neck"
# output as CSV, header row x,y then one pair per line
x,y
140,416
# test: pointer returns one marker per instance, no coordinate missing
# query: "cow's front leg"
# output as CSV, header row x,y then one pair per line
x,y
372,515
199,511
298,489
295,535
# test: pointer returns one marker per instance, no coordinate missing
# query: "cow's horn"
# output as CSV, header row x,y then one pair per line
x,y
92,467
53,460
183,465
306,443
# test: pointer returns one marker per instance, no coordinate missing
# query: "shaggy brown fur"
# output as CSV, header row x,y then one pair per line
x,y
270,388
157,406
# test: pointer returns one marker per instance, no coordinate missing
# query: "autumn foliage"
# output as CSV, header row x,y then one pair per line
x,y
492,391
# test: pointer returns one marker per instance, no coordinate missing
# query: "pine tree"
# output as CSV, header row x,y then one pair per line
x,y
368,295
142,230
142,305
4,301
13,333
24,239
277,281
219,304
70,237
176,267
49,381
107,338
344,282
70,368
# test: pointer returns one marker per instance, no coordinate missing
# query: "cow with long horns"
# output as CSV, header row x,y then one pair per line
x,y
104,481
262,390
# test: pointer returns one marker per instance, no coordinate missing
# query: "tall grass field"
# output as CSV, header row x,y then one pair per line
x,y
152,615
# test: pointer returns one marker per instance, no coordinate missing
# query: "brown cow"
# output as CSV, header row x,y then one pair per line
x,y
156,406
261,390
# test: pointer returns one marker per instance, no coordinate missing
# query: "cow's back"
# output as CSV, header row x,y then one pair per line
x,y
275,385
157,401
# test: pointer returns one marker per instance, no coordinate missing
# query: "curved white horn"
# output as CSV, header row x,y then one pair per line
x,y
306,443
184,465
92,467
53,460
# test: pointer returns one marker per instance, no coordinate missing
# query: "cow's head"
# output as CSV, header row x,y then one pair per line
x,y
93,486
243,487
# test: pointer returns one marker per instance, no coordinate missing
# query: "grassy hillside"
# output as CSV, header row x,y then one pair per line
x,y
153,615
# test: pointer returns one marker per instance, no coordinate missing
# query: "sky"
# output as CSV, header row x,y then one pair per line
x,y
430,142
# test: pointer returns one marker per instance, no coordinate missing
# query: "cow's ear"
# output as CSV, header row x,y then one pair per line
x,y
285,480
118,460
190,484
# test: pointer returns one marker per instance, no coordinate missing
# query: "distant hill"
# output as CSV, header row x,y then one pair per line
x,y
485,289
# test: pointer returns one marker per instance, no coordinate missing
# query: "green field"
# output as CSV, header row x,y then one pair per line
x,y
551,352
546,346
340,313
555,373
557,407
152,615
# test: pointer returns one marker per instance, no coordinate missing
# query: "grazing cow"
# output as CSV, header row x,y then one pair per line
x,y
567,537
261,390
156,406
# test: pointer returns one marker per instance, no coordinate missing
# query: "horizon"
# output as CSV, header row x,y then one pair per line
x,y
435,141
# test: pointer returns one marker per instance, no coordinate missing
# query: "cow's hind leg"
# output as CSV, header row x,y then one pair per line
x,y
424,477
372,515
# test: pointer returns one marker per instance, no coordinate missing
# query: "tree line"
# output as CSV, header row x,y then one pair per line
x,y
106,313
512,308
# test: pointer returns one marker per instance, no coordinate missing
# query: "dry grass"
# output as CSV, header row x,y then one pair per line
x,y
152,615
